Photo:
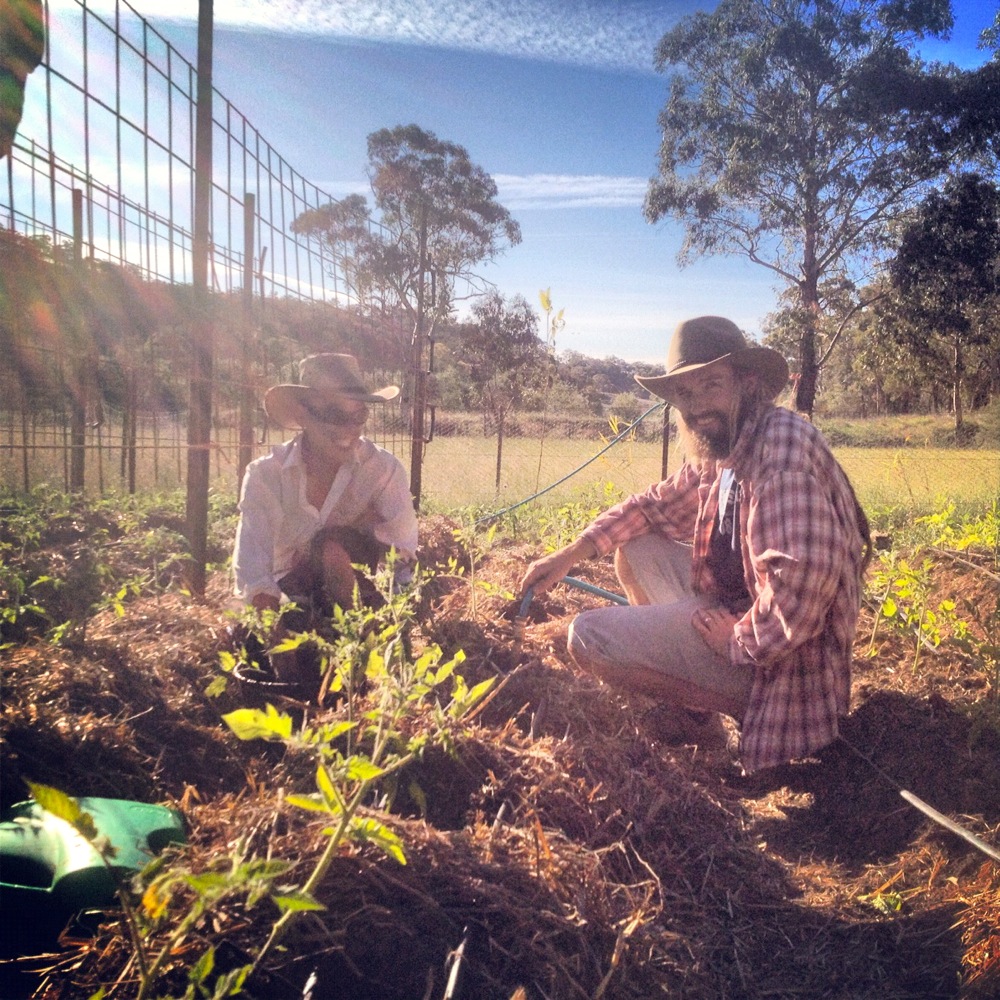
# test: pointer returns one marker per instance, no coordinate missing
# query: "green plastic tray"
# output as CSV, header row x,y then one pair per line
x,y
46,865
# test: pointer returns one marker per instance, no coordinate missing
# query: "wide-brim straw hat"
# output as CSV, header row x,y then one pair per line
x,y
707,340
324,380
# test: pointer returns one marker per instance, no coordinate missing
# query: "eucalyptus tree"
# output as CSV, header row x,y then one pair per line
x,y
794,131
437,218
502,358
947,275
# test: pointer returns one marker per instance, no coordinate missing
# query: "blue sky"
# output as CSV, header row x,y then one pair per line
x,y
557,100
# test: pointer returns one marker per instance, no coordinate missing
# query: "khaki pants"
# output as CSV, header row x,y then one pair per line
x,y
653,648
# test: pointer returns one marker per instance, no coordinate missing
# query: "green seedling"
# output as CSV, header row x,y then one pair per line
x,y
360,754
904,602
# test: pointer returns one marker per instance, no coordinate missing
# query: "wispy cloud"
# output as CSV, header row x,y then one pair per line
x,y
540,191
611,34
564,191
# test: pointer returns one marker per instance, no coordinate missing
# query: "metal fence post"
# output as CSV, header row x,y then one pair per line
x,y
78,369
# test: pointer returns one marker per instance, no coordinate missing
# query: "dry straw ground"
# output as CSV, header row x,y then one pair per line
x,y
578,852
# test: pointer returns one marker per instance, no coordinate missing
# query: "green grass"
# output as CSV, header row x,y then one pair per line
x,y
459,472
923,478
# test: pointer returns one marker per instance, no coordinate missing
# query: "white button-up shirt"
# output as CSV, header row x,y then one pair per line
x,y
370,493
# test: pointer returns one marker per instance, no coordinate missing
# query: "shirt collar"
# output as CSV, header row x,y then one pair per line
x,y
746,441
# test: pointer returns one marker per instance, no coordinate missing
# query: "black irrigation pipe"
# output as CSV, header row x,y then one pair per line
x,y
569,475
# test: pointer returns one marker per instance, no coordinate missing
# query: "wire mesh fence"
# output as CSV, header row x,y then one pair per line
x,y
555,456
110,113
135,434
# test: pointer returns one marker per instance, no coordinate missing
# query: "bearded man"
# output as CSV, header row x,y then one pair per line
x,y
743,569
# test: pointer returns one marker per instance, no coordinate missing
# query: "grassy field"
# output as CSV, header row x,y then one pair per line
x,y
460,471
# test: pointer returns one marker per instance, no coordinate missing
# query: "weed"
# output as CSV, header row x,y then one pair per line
x,y
903,601
477,544
985,655
949,529
562,525
20,609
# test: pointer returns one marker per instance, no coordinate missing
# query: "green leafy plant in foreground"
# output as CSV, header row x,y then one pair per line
x,y
360,757
164,905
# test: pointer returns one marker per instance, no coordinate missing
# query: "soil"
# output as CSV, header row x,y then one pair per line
x,y
571,844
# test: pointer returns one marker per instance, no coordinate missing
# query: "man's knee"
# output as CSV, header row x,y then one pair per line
x,y
582,643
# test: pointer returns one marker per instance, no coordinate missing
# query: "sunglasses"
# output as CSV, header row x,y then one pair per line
x,y
336,416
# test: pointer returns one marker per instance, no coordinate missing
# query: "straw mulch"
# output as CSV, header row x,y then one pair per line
x,y
568,848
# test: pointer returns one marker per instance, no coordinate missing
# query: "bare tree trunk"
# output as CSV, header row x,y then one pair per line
x,y
958,370
805,390
500,424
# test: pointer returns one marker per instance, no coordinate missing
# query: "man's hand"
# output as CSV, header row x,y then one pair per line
x,y
550,569
715,626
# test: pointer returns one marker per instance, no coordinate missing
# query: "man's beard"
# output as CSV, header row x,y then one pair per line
x,y
710,444
717,443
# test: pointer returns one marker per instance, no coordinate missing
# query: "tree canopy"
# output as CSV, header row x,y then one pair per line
x,y
794,131
438,215
947,273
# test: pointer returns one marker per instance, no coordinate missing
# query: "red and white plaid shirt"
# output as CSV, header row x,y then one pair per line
x,y
802,554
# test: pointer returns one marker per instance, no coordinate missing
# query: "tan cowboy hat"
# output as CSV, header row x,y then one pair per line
x,y
704,341
324,379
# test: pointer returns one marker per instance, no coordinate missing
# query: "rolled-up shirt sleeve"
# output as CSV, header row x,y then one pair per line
x,y
253,553
669,507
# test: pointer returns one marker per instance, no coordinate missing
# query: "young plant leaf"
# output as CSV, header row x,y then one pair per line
x,y
253,724
297,902
65,807
368,829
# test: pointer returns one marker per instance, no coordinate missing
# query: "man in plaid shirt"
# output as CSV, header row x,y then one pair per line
x,y
743,569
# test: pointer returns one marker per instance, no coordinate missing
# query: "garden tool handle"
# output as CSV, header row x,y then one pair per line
x,y
525,602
